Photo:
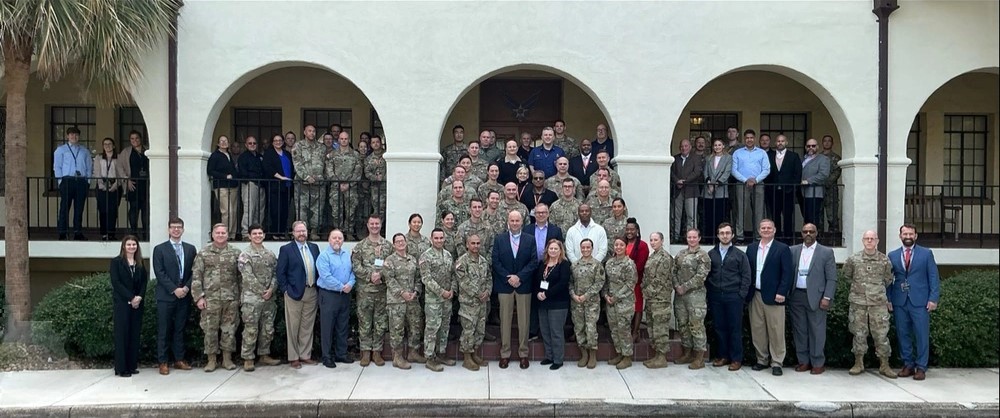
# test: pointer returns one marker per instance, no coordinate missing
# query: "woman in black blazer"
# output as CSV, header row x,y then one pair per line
x,y
128,285
551,290
280,171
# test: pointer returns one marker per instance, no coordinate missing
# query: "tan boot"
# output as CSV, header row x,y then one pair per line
x,y
884,368
377,358
227,361
268,360
616,359
625,363
658,361
398,361
584,358
592,361
477,358
442,358
433,365
416,357
698,362
469,363
248,365
210,364
859,365
366,358
685,358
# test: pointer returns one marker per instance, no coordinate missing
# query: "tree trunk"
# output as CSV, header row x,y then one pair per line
x,y
17,71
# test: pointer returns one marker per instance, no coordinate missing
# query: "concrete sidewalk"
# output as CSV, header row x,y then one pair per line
x,y
351,390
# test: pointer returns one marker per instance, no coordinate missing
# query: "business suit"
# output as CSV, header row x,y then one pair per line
x,y
816,280
171,311
300,298
772,276
127,283
689,169
814,172
522,263
779,192
911,290
581,172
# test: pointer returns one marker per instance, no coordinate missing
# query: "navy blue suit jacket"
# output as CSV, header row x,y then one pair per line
x,y
291,271
778,275
167,272
505,262
925,285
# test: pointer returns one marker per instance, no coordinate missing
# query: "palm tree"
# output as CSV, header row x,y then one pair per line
x,y
101,41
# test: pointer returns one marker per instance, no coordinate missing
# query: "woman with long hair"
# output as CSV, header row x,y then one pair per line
x,y
619,294
451,238
717,170
279,170
638,251
587,282
551,291
108,188
614,226
128,286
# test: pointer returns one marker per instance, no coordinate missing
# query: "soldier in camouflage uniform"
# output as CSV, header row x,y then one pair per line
x,y
457,204
215,286
603,163
691,267
453,152
472,181
475,225
479,165
343,169
569,145
472,274
310,166
600,202
375,173
510,202
563,212
436,273
459,173
869,272
585,292
492,214
615,225
831,193
403,299
603,174
491,151
555,182
657,290
416,244
367,259
491,184
450,232
619,294
257,303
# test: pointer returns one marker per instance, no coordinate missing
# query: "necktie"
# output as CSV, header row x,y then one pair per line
x,y
515,244
308,262
179,251
907,253
585,161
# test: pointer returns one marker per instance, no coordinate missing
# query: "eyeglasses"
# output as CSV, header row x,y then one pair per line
x,y
539,178
810,146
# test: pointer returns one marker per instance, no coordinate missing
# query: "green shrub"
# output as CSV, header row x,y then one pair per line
x,y
965,331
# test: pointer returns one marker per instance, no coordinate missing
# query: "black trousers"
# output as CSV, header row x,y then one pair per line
x,y
107,209
334,312
171,317
72,191
727,319
278,199
127,324
138,201
716,212
783,212
811,207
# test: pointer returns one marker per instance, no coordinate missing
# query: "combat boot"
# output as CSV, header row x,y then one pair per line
x,y
398,361
477,358
210,364
625,362
377,358
268,360
366,358
469,363
442,358
685,358
227,361
616,359
592,361
884,368
248,365
658,361
433,365
698,362
584,358
859,365
416,357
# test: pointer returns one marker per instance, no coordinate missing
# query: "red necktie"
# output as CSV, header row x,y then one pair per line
x,y
907,253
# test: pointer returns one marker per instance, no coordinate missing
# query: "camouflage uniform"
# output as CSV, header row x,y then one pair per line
x,y
257,268
482,228
375,173
615,180
657,287
479,169
869,311
614,228
473,278
343,167
451,240
588,280
564,213
497,220
452,153
436,273
569,146
215,277
831,194
400,275
491,154
471,184
620,285
484,189
460,209
599,211
309,198
507,206
371,298
554,184
691,267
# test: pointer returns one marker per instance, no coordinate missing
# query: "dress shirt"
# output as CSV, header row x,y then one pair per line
x,y
761,256
515,243
541,231
334,270
750,164
779,157
805,260
73,161
724,249
809,157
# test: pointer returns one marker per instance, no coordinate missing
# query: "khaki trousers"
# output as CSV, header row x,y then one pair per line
x,y
767,330
300,317
507,304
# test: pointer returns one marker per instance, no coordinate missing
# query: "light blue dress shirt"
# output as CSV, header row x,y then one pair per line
x,y
71,159
334,270
750,163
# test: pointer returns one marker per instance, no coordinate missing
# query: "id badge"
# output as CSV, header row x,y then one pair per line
x,y
905,286
379,262
544,285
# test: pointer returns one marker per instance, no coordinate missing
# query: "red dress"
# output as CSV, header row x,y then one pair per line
x,y
639,254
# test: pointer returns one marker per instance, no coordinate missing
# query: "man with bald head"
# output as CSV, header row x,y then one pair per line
x,y
869,272
815,270
554,183
586,228
514,258
510,201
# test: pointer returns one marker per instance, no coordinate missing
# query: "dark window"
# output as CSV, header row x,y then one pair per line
x,y
712,125
262,123
323,118
914,151
965,154
130,119
795,127
376,128
62,118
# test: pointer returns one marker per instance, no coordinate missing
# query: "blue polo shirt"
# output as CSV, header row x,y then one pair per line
x,y
545,160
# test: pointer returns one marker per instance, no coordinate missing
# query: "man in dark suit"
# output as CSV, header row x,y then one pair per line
x,y
172,262
538,193
815,284
297,275
781,183
914,293
773,276
584,165
514,261
685,174
543,231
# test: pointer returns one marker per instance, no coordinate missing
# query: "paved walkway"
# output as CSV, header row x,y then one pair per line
x,y
55,390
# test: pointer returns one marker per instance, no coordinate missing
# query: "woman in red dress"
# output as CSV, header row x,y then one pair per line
x,y
638,251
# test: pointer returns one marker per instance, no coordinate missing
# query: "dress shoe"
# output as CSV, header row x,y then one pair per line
x,y
504,362
79,237
803,368
135,371
817,370
345,360
62,237
758,367
524,362
164,370
329,364
532,337
719,362
546,362
906,372
919,375
126,374
182,365
295,364
309,361
776,371
734,366
489,337
555,366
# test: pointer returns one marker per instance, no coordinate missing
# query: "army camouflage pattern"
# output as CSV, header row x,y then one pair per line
x,y
616,181
554,184
482,228
258,327
620,285
215,276
309,160
344,168
507,206
375,173
460,209
569,146
400,275
472,273
471,186
869,319
491,154
564,213
657,289
614,227
868,276
831,194
451,241
257,269
497,221
479,169
415,246
600,211
452,153
373,321
484,190
436,273
588,280
691,267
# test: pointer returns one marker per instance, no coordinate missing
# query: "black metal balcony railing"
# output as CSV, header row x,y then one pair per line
x,y
953,216
109,208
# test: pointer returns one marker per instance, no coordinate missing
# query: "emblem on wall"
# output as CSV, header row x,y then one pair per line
x,y
519,110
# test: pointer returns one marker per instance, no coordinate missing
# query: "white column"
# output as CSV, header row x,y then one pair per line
x,y
859,202
411,187
646,190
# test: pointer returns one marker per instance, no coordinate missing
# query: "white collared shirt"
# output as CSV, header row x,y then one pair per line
x,y
805,260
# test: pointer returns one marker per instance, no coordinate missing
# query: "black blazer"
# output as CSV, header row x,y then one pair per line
x,y
124,284
731,275
505,262
576,168
166,271
553,232
219,166
250,166
272,164
778,275
557,296
790,173
528,198
291,271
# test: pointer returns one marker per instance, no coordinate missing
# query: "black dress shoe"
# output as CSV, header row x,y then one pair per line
x,y
330,364
758,367
62,237
546,362
776,371
136,371
79,237
345,360
555,366
125,375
